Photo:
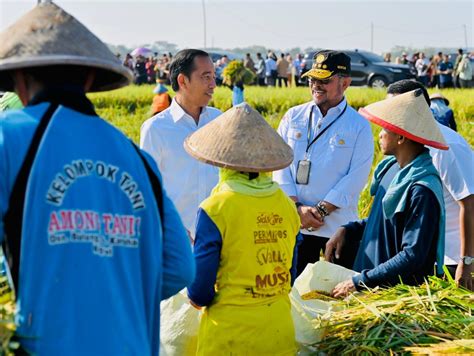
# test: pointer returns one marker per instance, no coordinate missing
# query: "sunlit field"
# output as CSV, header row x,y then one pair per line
x,y
129,107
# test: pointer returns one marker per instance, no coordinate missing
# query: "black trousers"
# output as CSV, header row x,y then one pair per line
x,y
282,79
309,251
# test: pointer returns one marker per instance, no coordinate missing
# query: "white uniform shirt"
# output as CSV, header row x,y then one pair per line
x,y
456,168
340,160
186,180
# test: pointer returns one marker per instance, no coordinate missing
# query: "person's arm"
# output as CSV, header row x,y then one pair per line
x,y
355,229
294,262
178,261
346,191
207,252
150,142
4,194
418,233
464,273
456,167
284,177
352,231
452,122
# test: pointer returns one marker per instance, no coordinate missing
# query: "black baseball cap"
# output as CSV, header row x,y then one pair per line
x,y
328,63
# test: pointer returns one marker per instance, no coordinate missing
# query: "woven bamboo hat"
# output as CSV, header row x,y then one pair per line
x,y
407,115
49,36
242,140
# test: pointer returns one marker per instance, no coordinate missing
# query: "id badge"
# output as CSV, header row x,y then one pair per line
x,y
302,171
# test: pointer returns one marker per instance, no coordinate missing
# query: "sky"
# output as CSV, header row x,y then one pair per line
x,y
377,25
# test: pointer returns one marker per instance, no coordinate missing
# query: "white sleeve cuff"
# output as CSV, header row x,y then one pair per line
x,y
340,200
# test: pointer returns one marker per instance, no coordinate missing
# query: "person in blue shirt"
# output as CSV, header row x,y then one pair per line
x,y
94,242
441,111
399,241
445,70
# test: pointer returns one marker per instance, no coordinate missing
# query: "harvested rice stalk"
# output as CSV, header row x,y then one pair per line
x,y
380,321
7,327
318,294
458,347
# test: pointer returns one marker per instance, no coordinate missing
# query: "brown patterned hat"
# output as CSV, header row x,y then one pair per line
x,y
49,36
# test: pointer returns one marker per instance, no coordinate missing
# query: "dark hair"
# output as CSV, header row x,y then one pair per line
x,y
183,63
406,85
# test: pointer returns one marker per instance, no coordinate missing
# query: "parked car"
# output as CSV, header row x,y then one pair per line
x,y
215,56
369,69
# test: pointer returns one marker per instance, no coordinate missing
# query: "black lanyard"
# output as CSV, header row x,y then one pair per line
x,y
308,145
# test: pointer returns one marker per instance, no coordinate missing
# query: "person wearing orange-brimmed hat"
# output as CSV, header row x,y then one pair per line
x,y
400,240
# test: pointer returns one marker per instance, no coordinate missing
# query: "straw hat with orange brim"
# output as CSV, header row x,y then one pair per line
x,y
439,96
49,36
407,115
240,139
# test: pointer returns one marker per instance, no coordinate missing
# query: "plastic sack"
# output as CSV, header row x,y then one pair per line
x,y
320,276
179,326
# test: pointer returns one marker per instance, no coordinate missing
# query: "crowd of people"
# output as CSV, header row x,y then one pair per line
x,y
99,231
439,70
147,70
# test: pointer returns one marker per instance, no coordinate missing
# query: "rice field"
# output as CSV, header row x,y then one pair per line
x,y
129,107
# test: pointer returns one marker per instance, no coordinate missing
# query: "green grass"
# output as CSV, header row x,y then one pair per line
x,y
129,107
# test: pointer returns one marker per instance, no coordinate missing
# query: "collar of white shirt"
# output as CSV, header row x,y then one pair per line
x,y
332,112
177,112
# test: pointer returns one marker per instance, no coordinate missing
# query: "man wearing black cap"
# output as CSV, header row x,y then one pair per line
x,y
94,242
333,151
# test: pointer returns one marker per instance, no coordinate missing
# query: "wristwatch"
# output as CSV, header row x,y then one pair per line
x,y
467,260
322,209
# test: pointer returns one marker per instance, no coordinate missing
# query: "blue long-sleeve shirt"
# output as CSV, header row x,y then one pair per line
x,y
94,260
207,251
403,247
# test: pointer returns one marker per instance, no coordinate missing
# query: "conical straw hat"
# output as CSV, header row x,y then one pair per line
x,y
48,36
242,140
408,115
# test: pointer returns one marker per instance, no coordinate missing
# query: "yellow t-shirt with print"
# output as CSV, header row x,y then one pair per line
x,y
251,312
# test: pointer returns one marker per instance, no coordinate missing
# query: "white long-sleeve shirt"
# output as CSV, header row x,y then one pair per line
x,y
340,160
186,180
456,168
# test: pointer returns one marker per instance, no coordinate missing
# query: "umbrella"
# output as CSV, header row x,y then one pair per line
x,y
141,51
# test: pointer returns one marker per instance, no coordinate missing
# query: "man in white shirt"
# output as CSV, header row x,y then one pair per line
x,y
333,151
456,169
422,64
187,181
